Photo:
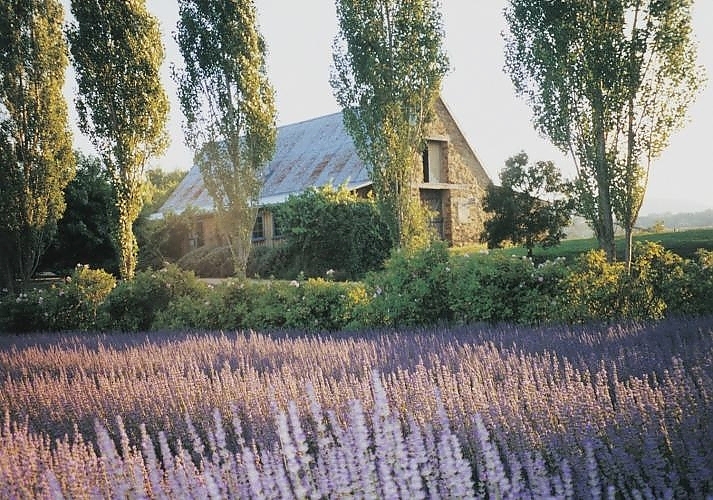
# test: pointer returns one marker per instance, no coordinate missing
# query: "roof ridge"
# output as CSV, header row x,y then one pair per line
x,y
307,120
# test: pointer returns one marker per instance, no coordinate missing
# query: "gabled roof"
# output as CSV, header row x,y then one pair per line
x,y
311,153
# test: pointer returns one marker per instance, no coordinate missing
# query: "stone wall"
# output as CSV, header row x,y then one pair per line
x,y
466,178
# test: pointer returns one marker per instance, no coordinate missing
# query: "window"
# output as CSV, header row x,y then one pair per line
x,y
432,170
258,228
195,240
277,231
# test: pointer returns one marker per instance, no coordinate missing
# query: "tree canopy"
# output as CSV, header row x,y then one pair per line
x,y
85,235
608,82
229,109
117,53
36,161
530,206
388,66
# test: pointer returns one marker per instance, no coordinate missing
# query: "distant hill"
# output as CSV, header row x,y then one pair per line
x,y
671,222
682,220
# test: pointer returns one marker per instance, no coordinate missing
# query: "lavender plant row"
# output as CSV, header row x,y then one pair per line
x,y
496,412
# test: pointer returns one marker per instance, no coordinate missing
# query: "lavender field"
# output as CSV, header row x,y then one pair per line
x,y
472,412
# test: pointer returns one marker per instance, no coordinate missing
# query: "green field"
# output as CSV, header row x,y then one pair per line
x,y
684,243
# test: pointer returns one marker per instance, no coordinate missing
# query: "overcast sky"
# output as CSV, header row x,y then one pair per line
x,y
299,36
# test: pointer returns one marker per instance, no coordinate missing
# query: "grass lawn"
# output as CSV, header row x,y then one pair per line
x,y
684,243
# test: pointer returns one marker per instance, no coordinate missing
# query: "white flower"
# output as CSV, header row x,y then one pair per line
x,y
330,272
295,283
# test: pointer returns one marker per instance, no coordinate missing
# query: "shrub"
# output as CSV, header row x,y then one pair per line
x,y
597,290
335,229
323,305
68,305
270,262
208,262
412,289
133,305
312,305
685,285
24,312
498,288
78,299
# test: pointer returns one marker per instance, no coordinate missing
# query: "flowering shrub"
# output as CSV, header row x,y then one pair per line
x,y
24,312
418,287
323,305
68,305
505,289
133,305
78,299
660,284
412,289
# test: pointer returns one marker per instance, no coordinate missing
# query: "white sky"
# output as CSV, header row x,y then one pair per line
x,y
299,36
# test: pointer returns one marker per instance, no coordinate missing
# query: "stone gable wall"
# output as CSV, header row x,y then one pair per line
x,y
463,205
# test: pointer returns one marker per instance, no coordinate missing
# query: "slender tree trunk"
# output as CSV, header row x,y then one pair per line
x,y
604,207
629,245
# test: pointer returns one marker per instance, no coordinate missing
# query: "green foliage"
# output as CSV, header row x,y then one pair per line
x,y
117,53
312,305
608,82
660,283
272,262
388,67
133,305
417,287
78,299
323,305
23,312
528,207
333,229
412,289
160,184
229,107
69,305
208,262
164,240
506,289
36,160
85,233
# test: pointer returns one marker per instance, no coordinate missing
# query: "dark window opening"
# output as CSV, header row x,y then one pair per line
x,y
426,166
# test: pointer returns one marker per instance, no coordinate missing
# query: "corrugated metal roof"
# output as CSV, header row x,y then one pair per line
x,y
312,153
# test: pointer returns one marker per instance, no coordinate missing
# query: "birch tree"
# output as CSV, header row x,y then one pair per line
x,y
608,83
117,53
229,109
389,63
36,160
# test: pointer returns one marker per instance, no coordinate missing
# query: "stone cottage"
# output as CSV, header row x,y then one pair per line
x,y
320,151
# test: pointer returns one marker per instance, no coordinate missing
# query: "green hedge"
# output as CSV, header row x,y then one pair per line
x,y
417,287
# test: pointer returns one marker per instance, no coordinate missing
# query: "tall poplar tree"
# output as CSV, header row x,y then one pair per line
x,y
36,160
229,109
608,82
117,53
388,66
